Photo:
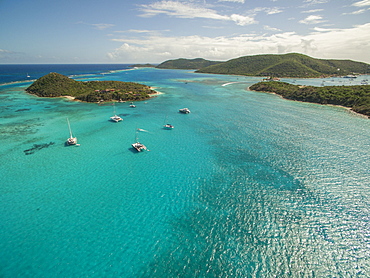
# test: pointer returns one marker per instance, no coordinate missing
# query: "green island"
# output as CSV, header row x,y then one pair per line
x,y
274,65
355,97
58,85
186,64
142,66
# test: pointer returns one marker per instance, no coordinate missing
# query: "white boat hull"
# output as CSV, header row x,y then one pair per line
x,y
138,146
116,119
71,141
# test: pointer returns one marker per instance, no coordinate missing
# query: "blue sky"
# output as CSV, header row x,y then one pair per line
x,y
141,31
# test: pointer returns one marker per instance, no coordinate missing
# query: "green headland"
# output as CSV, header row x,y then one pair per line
x,y
355,97
285,65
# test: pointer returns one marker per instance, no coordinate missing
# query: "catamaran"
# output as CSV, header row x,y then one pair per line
x,y
115,118
71,140
184,110
167,126
137,145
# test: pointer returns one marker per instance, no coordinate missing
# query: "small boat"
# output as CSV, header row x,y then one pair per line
x,y
115,118
137,145
132,105
184,110
168,126
28,76
71,140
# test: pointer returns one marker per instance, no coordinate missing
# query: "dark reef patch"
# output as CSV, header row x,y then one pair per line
x,y
37,147
24,109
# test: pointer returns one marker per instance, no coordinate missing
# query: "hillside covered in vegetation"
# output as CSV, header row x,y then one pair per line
x,y
287,65
355,97
143,66
57,85
186,64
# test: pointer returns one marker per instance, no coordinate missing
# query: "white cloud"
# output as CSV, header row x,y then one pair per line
x,y
10,56
314,2
352,43
138,31
362,3
269,11
102,26
312,19
98,26
312,11
323,29
269,28
236,1
242,20
361,11
5,51
189,10
179,9
273,11
212,27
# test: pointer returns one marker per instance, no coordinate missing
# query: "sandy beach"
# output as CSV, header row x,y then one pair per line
x,y
69,97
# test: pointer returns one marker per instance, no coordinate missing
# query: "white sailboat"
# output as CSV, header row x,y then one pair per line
x,y
115,118
184,110
167,126
137,145
71,140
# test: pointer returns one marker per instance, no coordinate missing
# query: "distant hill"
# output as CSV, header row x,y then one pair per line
x,y
143,66
57,85
186,64
286,65
355,97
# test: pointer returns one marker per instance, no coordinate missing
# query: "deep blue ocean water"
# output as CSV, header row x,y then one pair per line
x,y
246,185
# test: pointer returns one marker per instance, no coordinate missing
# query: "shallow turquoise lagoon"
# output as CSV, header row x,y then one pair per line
x,y
246,185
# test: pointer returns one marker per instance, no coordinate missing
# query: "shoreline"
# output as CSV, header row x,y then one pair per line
x,y
157,93
328,104
71,98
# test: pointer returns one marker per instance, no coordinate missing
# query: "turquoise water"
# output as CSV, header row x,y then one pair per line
x,y
247,185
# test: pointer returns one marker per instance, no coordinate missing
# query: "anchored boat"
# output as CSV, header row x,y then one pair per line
x,y
137,145
184,110
71,140
115,118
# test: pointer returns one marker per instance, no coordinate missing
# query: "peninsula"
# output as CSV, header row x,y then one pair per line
x,y
274,65
58,85
142,66
357,98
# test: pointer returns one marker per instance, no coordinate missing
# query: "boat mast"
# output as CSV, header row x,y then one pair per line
x,y
114,109
136,137
69,127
